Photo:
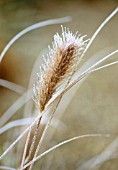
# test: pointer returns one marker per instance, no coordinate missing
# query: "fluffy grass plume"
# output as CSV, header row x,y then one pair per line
x,y
62,59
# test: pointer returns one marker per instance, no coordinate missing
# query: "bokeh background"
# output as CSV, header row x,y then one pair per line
x,y
92,108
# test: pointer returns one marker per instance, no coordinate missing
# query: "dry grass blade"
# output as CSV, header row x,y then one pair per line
x,y
32,147
25,148
13,108
7,168
12,86
100,28
104,66
102,60
20,137
44,132
16,123
62,143
30,28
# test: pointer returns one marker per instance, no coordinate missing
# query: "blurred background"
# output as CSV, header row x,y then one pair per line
x,y
91,108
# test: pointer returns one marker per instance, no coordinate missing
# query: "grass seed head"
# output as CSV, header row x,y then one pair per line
x,y
59,64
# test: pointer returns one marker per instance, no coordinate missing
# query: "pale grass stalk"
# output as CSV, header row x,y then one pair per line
x,y
63,92
33,27
44,132
33,140
48,123
12,86
16,123
46,128
20,137
62,143
24,122
13,108
28,139
25,148
104,66
93,59
7,168
99,29
102,60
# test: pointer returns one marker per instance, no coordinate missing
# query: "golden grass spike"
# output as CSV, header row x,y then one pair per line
x,y
62,59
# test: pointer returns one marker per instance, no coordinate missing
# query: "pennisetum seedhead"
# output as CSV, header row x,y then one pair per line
x,y
59,64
